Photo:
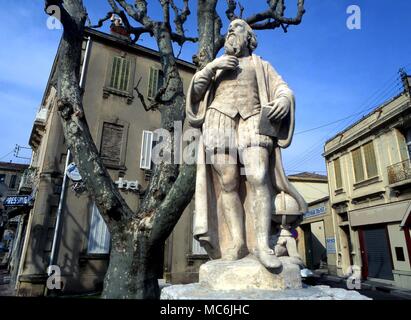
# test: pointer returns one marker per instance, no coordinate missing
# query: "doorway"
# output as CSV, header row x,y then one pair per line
x,y
375,253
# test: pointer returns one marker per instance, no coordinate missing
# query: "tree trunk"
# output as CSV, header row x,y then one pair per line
x,y
130,274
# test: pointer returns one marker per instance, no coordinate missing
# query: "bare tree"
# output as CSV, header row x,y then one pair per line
x,y
138,236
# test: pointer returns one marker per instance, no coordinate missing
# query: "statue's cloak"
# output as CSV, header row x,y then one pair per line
x,y
209,225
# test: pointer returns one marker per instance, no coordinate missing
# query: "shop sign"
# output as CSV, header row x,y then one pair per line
x,y
314,212
18,201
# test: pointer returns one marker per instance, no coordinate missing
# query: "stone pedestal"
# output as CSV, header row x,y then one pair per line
x,y
195,291
247,279
248,273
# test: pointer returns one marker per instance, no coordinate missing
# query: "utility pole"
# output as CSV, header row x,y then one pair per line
x,y
405,81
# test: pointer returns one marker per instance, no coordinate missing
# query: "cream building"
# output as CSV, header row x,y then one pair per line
x,y
316,239
369,173
64,227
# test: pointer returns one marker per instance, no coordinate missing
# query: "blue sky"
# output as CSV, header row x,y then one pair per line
x,y
335,72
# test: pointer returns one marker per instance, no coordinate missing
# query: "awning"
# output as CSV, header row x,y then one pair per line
x,y
18,211
392,212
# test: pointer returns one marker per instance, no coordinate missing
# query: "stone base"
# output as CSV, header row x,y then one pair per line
x,y
195,291
247,274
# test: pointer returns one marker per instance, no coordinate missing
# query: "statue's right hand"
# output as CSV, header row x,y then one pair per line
x,y
224,62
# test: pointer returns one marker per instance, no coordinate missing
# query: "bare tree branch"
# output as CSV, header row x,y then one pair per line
x,y
101,21
230,12
274,16
142,99
165,4
138,12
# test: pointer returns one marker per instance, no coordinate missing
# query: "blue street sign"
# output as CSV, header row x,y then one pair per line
x,y
18,201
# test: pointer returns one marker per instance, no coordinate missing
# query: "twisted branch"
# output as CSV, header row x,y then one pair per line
x,y
274,16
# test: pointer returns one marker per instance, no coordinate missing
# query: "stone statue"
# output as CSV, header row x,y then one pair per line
x,y
246,112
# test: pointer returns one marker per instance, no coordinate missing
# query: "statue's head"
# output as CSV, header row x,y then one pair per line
x,y
241,39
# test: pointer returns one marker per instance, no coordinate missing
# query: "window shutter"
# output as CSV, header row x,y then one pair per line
x,y
13,180
358,166
99,236
337,172
370,160
120,74
155,81
111,143
152,82
146,150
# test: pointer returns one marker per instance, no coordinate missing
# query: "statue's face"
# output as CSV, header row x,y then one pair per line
x,y
236,42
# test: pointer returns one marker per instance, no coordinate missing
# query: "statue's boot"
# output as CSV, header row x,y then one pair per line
x,y
234,253
268,258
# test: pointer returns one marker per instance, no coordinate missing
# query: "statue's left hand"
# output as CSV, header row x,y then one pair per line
x,y
279,108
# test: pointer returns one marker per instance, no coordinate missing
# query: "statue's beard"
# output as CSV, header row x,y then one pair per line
x,y
235,45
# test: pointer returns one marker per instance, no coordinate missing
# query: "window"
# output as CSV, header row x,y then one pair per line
x,y
399,253
120,73
111,144
364,162
99,236
120,77
13,181
155,81
146,150
337,172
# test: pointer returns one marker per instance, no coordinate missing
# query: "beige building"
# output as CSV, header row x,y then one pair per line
x,y
312,186
10,177
64,226
369,173
316,240
316,237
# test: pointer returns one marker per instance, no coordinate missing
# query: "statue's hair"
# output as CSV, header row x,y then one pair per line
x,y
252,39
251,36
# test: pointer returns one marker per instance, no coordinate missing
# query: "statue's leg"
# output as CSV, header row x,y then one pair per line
x,y
256,164
228,174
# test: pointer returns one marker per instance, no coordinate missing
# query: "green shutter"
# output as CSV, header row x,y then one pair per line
x,y
155,82
370,160
357,164
337,173
150,82
127,75
120,74
113,72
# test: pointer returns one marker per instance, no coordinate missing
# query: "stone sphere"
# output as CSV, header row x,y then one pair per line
x,y
286,206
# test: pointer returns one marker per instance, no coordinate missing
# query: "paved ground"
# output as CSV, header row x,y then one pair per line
x,y
369,289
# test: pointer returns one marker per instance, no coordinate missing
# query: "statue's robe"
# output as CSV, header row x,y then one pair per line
x,y
209,223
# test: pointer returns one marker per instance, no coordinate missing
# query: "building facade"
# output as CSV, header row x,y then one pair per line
x,y
10,177
64,228
316,237
369,173
315,241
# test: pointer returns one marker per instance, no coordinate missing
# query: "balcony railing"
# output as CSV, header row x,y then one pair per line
x,y
27,181
400,171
